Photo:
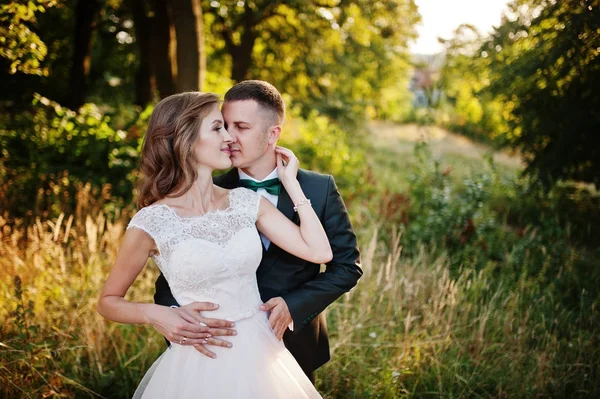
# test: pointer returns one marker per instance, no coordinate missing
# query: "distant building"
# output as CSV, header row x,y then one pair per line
x,y
424,80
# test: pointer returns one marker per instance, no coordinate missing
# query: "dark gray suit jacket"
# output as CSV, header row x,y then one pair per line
x,y
306,291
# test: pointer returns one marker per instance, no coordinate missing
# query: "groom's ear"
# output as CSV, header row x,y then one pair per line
x,y
274,133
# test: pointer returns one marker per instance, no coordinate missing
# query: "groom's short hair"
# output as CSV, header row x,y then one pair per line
x,y
264,93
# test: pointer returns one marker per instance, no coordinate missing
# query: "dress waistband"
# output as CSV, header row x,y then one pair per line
x,y
243,315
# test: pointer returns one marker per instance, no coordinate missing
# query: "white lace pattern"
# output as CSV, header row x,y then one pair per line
x,y
209,258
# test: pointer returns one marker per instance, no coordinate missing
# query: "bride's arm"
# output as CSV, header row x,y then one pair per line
x,y
174,324
307,241
135,249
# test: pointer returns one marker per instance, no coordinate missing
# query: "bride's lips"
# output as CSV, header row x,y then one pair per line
x,y
226,150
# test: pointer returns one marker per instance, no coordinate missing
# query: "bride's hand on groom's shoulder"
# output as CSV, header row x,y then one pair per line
x,y
287,165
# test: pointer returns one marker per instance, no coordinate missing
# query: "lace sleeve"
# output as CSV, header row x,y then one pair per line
x,y
153,220
249,201
139,221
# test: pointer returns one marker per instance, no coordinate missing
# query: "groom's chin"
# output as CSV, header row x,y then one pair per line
x,y
235,162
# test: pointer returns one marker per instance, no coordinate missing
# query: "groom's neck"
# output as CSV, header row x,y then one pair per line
x,y
260,170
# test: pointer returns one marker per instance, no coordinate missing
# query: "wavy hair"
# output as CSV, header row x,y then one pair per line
x,y
167,162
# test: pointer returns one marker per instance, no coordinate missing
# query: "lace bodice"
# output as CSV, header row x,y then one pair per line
x,y
212,257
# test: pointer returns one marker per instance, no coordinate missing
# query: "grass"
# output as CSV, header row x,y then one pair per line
x,y
411,329
437,313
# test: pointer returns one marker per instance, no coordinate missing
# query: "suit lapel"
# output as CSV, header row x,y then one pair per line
x,y
271,254
285,205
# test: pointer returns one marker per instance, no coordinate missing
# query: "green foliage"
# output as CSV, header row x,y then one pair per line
x,y
347,60
334,57
478,295
114,59
394,103
50,153
421,116
490,220
464,75
439,212
322,145
534,85
546,66
19,43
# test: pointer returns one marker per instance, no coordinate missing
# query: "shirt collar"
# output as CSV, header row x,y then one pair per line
x,y
272,175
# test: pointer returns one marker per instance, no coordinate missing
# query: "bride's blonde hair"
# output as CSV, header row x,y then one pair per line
x,y
167,162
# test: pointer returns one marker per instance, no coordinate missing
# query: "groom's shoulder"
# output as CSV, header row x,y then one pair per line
x,y
316,186
305,175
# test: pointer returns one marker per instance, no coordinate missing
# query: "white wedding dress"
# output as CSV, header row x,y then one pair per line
x,y
213,258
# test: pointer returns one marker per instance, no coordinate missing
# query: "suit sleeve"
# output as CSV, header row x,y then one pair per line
x,y
163,295
341,273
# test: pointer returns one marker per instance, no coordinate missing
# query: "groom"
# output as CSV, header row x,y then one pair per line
x,y
295,292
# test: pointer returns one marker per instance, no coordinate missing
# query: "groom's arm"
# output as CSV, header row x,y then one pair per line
x,y
163,295
341,273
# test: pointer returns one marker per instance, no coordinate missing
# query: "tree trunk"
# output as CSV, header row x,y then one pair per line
x,y
144,76
85,13
241,60
189,29
163,43
241,55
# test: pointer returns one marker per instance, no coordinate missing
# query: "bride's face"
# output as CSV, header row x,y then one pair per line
x,y
211,148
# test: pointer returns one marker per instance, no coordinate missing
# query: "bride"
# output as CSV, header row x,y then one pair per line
x,y
205,241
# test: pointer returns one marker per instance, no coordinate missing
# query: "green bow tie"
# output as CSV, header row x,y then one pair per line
x,y
273,186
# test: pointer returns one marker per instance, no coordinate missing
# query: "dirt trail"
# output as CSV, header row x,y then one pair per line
x,y
402,138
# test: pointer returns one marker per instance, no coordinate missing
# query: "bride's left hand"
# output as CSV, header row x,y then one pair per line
x,y
287,165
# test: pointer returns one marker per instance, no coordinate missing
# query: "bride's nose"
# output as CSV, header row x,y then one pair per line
x,y
227,138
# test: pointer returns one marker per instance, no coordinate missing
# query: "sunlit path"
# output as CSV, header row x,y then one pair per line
x,y
402,139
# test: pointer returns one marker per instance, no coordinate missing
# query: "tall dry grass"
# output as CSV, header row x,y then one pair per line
x,y
413,327
53,341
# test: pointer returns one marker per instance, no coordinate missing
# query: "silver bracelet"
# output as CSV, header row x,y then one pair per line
x,y
299,204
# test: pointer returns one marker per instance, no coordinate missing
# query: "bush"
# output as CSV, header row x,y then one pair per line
x,y
322,145
51,152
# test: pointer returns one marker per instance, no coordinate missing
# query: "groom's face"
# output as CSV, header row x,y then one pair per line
x,y
248,125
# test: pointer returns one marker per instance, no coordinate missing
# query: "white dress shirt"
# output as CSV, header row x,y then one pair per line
x,y
273,199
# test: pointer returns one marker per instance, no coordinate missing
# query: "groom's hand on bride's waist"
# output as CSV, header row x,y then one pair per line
x,y
279,318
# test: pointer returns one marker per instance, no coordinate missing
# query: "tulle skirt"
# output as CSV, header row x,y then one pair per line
x,y
257,366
